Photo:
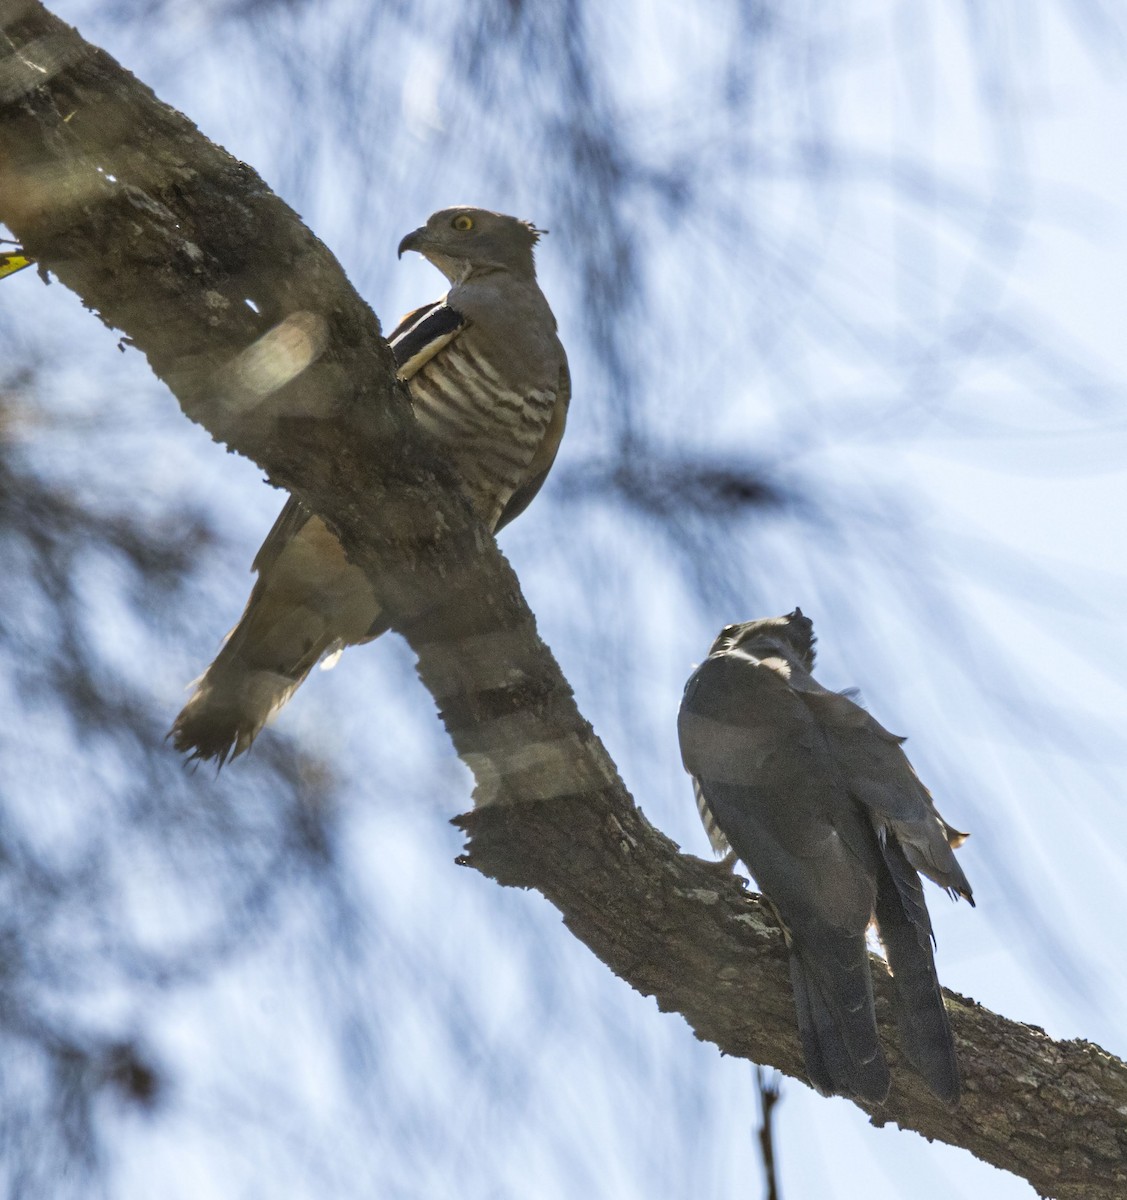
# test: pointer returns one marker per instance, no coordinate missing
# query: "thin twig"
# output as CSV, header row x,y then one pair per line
x,y
769,1094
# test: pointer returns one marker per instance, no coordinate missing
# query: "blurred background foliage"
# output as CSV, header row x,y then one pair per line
x,y
840,288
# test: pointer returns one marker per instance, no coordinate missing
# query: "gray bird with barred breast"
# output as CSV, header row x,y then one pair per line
x,y
489,382
821,804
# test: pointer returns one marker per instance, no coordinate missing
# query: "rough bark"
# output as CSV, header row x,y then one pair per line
x,y
166,238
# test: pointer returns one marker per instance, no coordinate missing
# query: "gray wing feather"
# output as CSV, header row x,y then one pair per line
x,y
881,778
289,522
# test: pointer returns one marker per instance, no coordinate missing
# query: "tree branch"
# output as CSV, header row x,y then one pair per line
x,y
166,237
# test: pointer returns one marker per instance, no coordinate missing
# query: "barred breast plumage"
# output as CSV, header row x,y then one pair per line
x,y
491,431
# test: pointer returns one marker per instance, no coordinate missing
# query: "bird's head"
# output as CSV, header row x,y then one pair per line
x,y
793,633
462,240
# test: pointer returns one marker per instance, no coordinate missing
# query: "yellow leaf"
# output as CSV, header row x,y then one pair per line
x,y
11,263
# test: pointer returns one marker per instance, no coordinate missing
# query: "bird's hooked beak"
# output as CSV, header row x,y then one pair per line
x,y
413,241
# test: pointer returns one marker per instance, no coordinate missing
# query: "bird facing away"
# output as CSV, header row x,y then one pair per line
x,y
820,803
489,383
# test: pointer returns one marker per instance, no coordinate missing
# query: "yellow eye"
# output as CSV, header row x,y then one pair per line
x,y
462,223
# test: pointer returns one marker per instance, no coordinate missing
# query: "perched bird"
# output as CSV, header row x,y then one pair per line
x,y
489,383
820,803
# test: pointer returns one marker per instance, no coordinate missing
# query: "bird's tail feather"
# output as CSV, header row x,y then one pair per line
x,y
229,709
925,1030
833,999
259,668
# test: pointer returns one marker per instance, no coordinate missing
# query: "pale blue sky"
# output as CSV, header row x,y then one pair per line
x,y
930,334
